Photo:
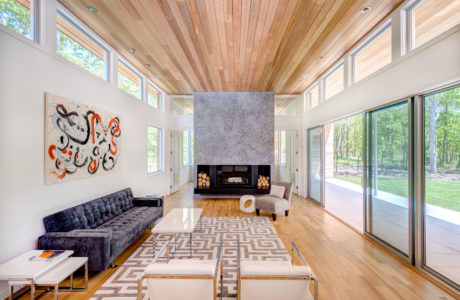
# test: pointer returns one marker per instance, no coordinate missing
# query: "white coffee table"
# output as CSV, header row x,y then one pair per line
x,y
20,270
178,220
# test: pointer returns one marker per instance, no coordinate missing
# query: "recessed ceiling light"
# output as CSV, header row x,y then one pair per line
x,y
264,81
365,9
321,57
304,75
91,9
231,81
299,80
159,76
132,50
148,65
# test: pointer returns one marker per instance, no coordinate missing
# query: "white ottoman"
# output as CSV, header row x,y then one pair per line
x,y
245,200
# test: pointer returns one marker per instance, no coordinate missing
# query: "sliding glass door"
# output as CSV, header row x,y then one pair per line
x,y
442,184
343,170
387,176
315,162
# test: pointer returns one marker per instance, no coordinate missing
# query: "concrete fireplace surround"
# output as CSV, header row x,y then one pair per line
x,y
234,128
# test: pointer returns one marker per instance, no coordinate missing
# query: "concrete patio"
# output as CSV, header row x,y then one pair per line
x,y
390,223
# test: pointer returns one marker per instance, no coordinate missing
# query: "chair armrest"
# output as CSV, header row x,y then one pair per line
x,y
147,201
91,243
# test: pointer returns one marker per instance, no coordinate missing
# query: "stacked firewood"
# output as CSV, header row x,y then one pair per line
x,y
263,182
203,180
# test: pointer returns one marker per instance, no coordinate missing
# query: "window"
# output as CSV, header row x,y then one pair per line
x,y
334,81
282,139
191,146
181,105
186,148
153,96
313,97
153,149
129,81
277,147
76,46
430,18
373,55
17,15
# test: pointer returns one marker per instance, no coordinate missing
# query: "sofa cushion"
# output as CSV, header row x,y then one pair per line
x,y
128,226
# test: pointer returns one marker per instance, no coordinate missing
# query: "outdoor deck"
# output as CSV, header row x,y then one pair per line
x,y
345,201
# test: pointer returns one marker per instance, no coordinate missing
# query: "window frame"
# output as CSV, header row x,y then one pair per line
x,y
141,84
386,25
160,149
332,70
88,33
160,95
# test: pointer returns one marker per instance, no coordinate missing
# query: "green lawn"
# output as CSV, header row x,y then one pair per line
x,y
441,193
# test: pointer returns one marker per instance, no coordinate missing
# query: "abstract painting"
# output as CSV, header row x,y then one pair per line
x,y
80,141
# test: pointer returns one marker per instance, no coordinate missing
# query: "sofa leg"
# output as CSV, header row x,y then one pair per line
x,y
274,217
257,212
286,212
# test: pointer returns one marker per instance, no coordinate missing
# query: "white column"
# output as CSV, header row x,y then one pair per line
x,y
113,68
46,13
398,39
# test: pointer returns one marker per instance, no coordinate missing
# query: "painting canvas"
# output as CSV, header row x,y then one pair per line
x,y
80,141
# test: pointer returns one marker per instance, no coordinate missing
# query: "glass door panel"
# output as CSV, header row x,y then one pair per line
x,y
387,153
343,170
315,176
442,183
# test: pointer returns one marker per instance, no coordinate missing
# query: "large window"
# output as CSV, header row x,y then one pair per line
x,y
442,183
334,81
282,138
373,55
387,168
17,16
129,81
313,97
76,46
153,149
153,96
277,147
186,148
280,147
430,18
343,169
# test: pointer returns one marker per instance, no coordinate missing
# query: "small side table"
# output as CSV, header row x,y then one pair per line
x,y
56,275
245,200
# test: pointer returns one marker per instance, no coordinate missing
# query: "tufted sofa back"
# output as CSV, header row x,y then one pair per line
x,y
90,214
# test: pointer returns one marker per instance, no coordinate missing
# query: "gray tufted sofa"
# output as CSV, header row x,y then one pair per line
x,y
101,229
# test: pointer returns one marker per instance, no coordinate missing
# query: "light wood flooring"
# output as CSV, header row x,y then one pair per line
x,y
348,265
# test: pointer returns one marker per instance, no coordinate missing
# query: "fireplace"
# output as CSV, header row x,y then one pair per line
x,y
232,179
233,176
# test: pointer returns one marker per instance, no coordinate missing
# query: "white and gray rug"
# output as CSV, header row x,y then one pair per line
x,y
258,240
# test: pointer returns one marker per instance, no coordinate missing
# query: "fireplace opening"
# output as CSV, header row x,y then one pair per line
x,y
233,175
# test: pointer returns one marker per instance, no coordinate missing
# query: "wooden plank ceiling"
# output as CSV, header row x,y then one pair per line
x,y
232,45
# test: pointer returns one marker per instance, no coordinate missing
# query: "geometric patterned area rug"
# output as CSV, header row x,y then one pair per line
x,y
258,241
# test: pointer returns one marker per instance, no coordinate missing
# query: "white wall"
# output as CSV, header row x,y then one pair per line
x,y
26,73
432,65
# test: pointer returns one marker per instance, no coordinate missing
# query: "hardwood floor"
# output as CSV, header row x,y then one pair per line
x,y
348,265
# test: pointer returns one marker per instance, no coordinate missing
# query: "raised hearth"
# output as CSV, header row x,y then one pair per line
x,y
231,179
